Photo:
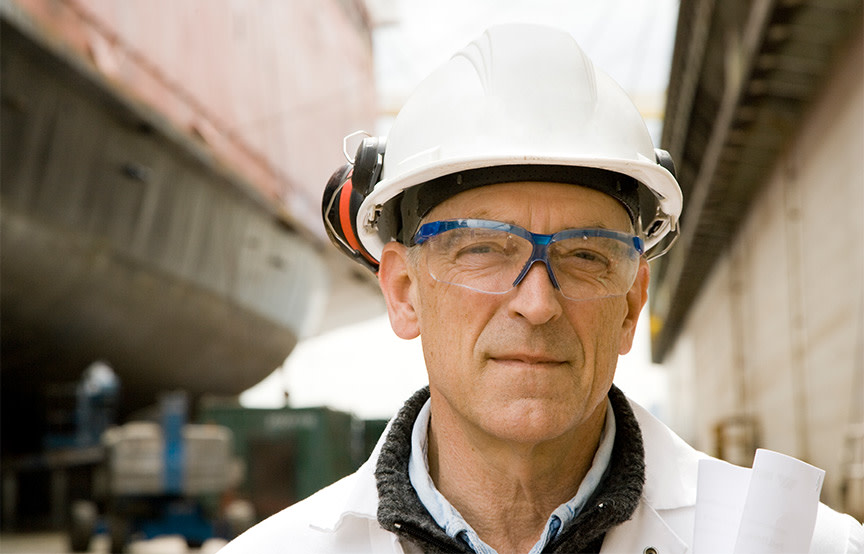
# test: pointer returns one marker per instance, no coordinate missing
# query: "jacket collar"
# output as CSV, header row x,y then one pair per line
x,y
400,510
646,531
670,483
361,495
670,464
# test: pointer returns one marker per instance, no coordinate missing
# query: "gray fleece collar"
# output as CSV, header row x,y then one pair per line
x,y
400,510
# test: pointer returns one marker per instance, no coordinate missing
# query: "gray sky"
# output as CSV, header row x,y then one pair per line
x,y
631,40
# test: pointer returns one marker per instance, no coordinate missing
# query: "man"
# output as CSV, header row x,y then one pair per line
x,y
510,218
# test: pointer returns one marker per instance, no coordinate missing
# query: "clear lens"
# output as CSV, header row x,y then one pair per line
x,y
494,260
593,267
481,259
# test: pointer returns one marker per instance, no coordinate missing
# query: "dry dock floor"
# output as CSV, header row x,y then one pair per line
x,y
57,543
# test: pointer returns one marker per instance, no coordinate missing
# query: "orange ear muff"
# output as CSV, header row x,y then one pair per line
x,y
339,208
343,195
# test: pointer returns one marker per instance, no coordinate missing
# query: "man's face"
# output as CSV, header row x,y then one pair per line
x,y
528,365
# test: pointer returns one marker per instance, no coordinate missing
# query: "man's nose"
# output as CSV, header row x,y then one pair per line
x,y
536,298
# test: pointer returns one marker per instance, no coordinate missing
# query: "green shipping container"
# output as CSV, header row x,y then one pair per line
x,y
290,454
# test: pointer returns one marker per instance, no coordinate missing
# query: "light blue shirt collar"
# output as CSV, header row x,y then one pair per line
x,y
452,521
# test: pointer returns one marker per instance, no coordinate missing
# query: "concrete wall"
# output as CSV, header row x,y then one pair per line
x,y
778,331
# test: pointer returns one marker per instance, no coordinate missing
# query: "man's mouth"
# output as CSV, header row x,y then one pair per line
x,y
529,359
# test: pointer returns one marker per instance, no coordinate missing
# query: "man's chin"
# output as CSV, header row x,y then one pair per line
x,y
531,420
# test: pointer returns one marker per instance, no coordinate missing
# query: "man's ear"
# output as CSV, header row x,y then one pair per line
x,y
636,297
397,282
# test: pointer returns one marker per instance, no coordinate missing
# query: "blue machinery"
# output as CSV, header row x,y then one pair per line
x,y
164,478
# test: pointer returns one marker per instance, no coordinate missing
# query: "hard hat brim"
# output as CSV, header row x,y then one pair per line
x,y
654,178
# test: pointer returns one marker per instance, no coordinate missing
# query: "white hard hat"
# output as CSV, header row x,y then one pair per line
x,y
520,95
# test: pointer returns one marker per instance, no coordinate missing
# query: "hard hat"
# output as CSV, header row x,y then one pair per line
x,y
523,102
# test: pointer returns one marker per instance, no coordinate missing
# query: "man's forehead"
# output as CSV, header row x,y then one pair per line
x,y
567,204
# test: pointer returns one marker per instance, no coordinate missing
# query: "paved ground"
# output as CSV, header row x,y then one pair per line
x,y
57,543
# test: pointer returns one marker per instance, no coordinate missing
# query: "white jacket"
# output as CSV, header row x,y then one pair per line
x,y
342,517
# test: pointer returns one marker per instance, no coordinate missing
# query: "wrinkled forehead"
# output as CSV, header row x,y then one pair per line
x,y
537,206
484,189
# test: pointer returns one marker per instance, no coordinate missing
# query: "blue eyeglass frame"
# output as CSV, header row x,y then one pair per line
x,y
540,241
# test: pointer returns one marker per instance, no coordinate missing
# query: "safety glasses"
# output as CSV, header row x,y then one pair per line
x,y
493,257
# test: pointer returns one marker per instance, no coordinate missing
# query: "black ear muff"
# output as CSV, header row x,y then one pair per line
x,y
658,221
345,191
664,159
367,164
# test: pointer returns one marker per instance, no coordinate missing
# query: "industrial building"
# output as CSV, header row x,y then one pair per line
x,y
758,311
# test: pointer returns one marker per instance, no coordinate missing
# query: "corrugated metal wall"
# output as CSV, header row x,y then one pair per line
x,y
777,332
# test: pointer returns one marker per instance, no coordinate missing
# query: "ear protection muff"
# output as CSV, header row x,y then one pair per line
x,y
345,191
367,164
664,159
650,206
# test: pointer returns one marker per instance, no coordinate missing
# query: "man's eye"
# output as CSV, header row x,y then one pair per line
x,y
588,256
482,249
585,260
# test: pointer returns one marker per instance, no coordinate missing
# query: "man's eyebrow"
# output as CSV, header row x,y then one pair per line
x,y
597,225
